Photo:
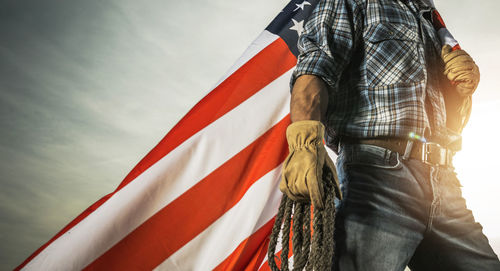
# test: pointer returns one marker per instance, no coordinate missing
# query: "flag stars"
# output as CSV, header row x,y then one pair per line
x,y
297,26
302,6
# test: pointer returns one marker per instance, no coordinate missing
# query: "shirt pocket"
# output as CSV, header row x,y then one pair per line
x,y
392,54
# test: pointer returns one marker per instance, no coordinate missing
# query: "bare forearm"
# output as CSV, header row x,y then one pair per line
x,y
309,99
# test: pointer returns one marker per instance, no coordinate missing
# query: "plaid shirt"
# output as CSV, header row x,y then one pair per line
x,y
381,60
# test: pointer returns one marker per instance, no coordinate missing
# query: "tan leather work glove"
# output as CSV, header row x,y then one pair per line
x,y
460,69
463,72
302,171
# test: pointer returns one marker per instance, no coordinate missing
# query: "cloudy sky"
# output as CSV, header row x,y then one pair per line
x,y
87,88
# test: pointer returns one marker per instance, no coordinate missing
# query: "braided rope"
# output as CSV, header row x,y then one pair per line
x,y
275,234
285,239
314,253
298,235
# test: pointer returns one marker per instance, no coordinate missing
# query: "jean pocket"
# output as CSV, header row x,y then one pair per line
x,y
373,156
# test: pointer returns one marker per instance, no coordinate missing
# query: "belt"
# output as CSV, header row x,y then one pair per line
x,y
430,153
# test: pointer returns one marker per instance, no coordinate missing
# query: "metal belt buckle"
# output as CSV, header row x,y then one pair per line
x,y
430,150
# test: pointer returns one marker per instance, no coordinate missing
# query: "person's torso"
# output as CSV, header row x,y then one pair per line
x,y
391,86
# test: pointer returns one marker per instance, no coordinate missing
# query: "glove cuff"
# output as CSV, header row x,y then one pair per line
x,y
304,133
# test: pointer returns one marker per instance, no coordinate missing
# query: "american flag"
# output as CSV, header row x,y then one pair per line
x,y
206,196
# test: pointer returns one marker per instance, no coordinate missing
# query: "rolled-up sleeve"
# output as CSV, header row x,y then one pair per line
x,y
328,40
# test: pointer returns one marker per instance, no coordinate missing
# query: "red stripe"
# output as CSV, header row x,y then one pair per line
x,y
191,213
456,47
258,72
437,20
246,255
256,262
262,69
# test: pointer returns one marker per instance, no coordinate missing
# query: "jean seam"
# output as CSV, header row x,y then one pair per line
x,y
433,174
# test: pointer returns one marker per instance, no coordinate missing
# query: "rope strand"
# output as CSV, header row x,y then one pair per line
x,y
275,234
313,253
285,238
297,239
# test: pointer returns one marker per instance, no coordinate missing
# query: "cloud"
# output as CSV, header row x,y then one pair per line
x,y
87,88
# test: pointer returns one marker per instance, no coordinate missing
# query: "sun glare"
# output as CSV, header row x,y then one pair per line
x,y
477,164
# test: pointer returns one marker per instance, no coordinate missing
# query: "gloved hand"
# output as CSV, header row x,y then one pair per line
x,y
302,173
460,69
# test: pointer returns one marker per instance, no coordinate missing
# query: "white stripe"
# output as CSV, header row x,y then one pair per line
x,y
290,262
261,42
446,37
211,247
166,180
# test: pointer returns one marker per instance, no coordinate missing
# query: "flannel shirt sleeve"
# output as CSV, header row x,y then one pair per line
x,y
328,40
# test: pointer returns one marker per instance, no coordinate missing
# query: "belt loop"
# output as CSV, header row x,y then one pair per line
x,y
409,148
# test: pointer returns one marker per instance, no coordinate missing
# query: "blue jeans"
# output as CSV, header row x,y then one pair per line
x,y
397,213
